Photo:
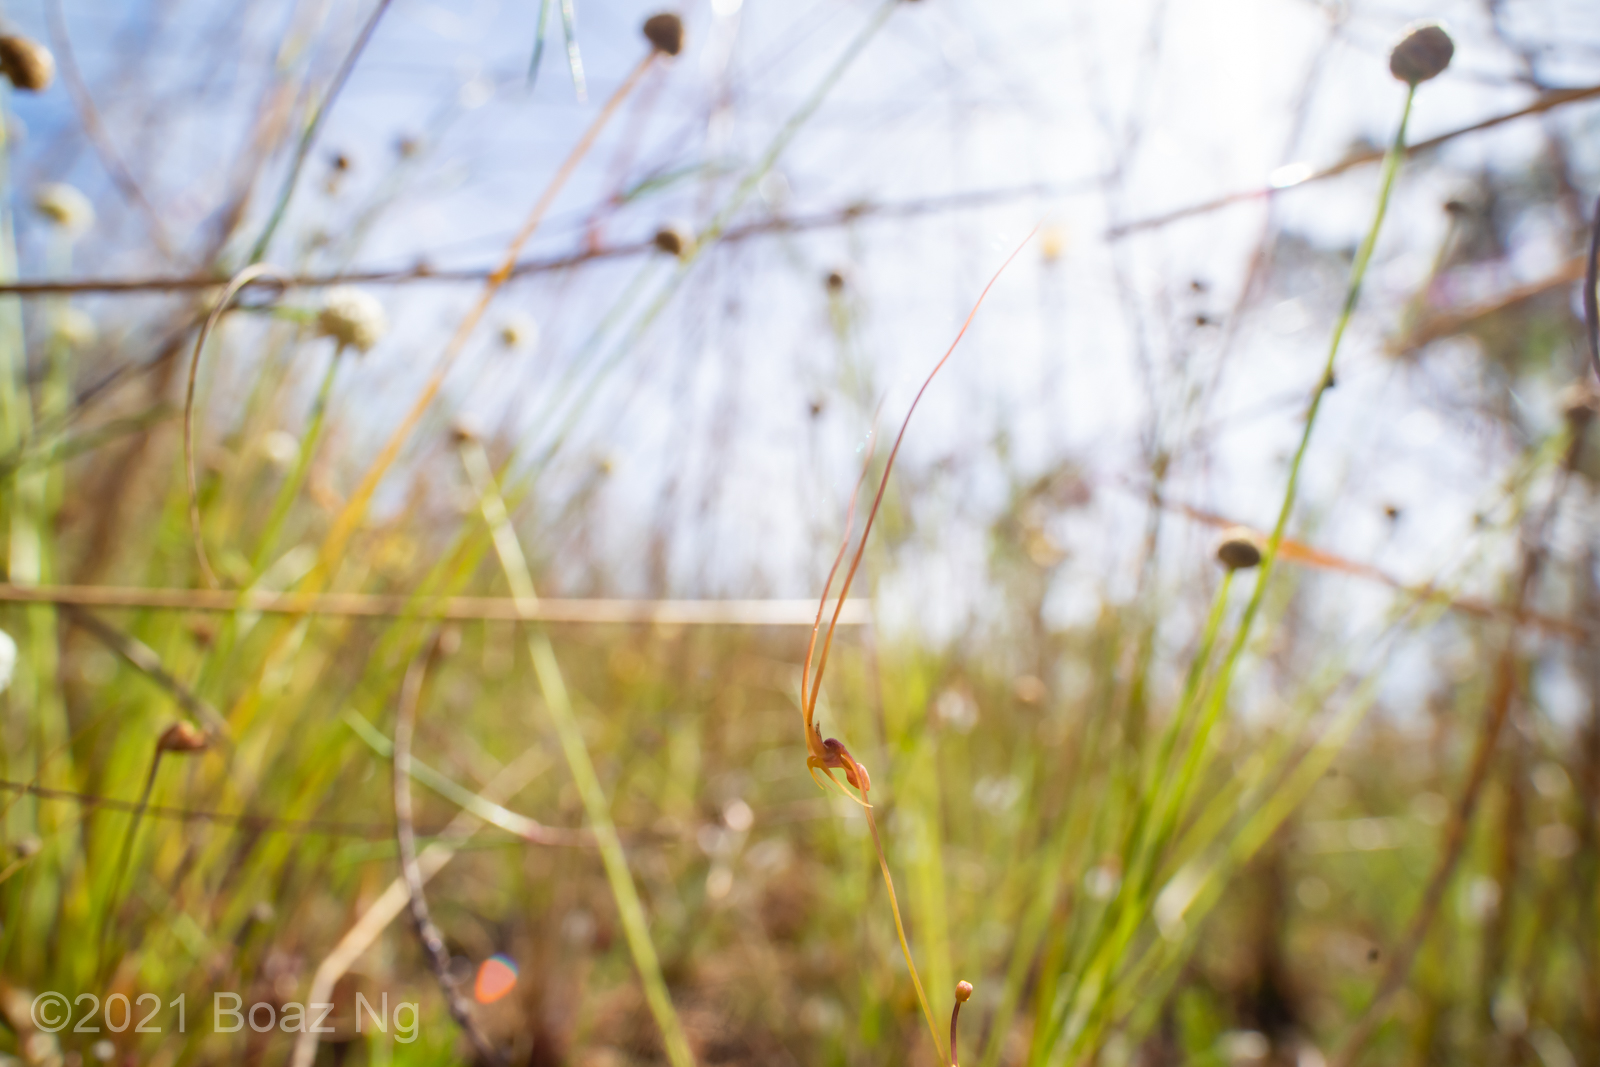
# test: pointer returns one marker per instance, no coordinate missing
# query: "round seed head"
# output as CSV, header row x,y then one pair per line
x,y
671,240
835,281
963,991
1240,549
182,737
665,31
28,64
352,317
1423,52
64,206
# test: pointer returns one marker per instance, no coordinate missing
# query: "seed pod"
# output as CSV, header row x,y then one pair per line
x,y
352,318
1240,549
671,240
665,31
64,206
1423,52
963,991
182,737
835,281
28,64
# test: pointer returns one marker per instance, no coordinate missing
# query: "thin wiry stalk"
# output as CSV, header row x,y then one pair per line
x,y
142,658
1552,99
120,872
900,932
392,900
345,523
1095,983
421,603
854,770
538,42
888,468
406,838
308,136
252,273
849,215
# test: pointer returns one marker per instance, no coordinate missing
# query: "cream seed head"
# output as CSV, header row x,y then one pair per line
x,y
665,32
1424,52
27,63
352,317
64,206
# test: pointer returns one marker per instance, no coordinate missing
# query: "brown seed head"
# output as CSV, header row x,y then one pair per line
x,y
963,991
671,240
1240,549
28,64
1423,52
182,737
834,281
665,31
1579,401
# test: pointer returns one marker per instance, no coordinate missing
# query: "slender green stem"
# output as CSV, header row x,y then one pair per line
x,y
1136,896
597,807
308,136
905,947
1269,558
120,873
290,489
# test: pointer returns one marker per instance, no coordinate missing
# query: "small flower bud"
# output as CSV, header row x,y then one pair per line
x,y
182,737
665,31
64,206
671,240
963,991
28,64
352,317
1240,549
1423,52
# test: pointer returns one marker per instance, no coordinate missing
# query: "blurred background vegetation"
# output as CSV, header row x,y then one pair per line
x,y
639,438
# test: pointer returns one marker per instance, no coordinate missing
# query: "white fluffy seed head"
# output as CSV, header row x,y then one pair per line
x,y
352,317
64,206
